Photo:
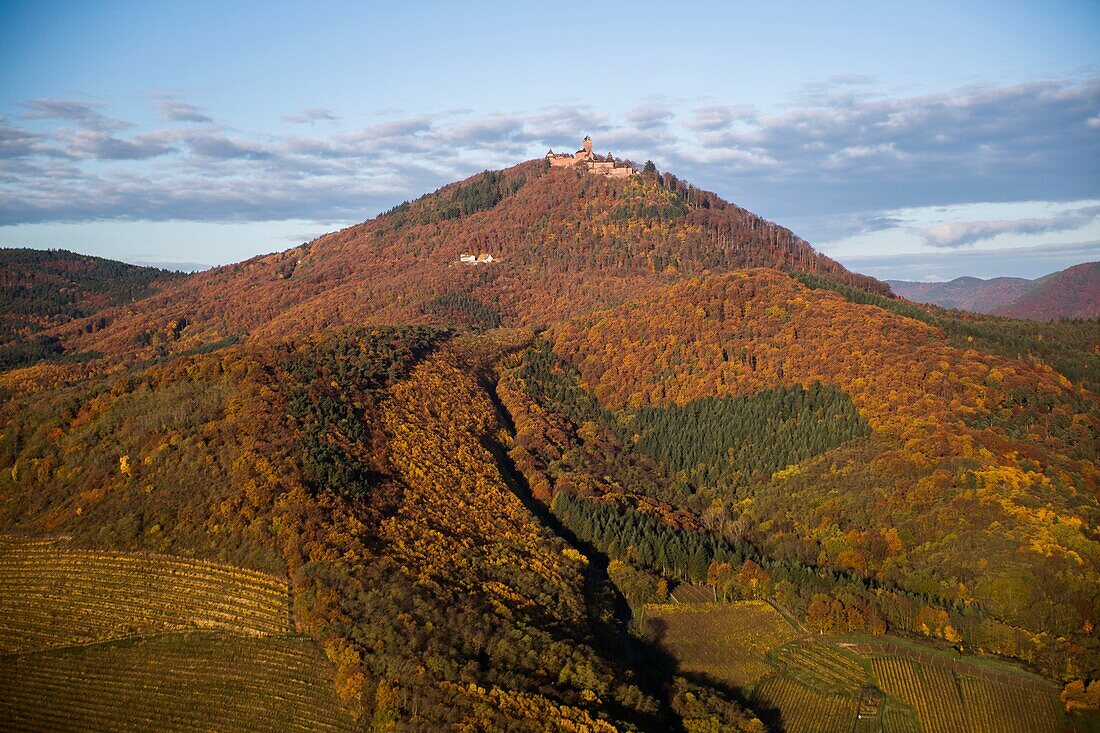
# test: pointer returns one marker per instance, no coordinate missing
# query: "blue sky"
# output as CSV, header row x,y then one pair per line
x,y
915,140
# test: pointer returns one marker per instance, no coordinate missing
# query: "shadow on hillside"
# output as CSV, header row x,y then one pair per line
x,y
654,666
772,718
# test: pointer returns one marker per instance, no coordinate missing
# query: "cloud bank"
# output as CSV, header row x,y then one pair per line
x,y
839,147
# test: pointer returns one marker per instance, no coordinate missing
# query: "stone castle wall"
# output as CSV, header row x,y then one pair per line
x,y
585,158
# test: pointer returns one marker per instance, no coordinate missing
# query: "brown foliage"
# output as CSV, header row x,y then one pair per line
x,y
567,242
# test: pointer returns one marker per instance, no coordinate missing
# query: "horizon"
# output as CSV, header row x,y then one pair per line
x,y
915,144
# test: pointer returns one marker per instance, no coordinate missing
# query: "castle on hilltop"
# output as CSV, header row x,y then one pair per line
x,y
601,165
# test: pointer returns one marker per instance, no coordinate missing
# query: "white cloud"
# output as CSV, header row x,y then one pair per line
x,y
1028,262
311,115
962,233
171,108
650,116
718,117
86,114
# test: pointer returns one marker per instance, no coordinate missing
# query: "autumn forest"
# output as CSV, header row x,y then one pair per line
x,y
488,497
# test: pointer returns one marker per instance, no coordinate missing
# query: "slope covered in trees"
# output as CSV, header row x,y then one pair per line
x,y
473,478
1067,346
971,455
362,465
566,242
42,289
1070,293
737,440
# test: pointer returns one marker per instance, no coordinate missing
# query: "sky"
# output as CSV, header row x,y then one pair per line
x,y
908,140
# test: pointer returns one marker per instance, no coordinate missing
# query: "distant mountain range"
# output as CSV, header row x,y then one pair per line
x,y
1069,293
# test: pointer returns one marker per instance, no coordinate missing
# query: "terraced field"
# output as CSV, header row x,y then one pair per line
x,y
822,665
53,596
726,642
187,681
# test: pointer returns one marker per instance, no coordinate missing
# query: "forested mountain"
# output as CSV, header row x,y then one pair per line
x,y
566,242
970,454
1069,293
471,478
42,289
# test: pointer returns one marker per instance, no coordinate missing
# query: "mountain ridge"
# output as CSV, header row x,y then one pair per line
x,y
45,289
965,293
1069,293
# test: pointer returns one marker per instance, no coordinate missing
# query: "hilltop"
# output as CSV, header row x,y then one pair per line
x,y
565,242
476,437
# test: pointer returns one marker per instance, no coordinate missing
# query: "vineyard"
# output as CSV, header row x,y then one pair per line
x,y
54,596
899,720
803,710
690,593
840,671
94,640
815,688
803,684
200,680
948,702
930,690
998,708
726,642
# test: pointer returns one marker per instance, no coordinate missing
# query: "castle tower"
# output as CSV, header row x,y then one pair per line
x,y
588,145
